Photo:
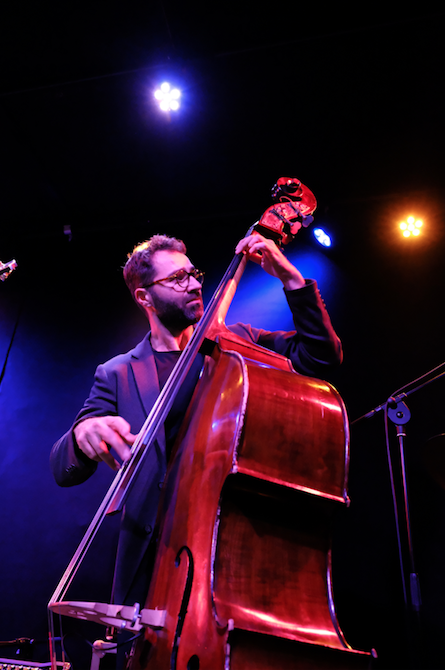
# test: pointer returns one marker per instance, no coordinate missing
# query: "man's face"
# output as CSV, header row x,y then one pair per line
x,y
177,307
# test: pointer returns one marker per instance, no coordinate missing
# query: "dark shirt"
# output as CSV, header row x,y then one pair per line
x,y
165,362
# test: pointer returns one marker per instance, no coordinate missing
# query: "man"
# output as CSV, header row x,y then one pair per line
x,y
167,287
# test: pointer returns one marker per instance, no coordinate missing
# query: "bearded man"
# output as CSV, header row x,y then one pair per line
x,y
167,287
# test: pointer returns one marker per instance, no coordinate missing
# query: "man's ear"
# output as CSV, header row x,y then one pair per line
x,y
143,298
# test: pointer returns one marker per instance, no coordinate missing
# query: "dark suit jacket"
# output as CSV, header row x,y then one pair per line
x,y
128,386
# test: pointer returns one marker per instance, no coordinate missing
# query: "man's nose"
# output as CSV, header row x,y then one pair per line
x,y
194,284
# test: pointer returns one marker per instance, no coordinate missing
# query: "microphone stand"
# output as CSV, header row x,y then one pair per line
x,y
397,411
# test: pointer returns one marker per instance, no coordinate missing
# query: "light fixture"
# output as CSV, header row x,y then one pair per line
x,y
168,97
411,227
322,237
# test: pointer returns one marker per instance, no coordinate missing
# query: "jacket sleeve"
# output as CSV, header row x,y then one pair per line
x,y
68,463
313,347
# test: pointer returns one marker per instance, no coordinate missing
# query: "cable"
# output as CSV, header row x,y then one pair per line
x,y
5,363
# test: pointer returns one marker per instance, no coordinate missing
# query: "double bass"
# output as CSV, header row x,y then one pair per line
x,y
242,576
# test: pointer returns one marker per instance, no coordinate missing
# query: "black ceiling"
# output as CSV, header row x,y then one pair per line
x,y
349,100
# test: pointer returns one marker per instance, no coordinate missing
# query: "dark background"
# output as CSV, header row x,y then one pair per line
x,y
351,101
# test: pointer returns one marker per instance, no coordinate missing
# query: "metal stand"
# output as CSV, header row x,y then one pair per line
x,y
400,415
100,648
119,617
396,411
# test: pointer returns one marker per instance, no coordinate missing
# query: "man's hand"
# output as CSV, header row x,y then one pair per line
x,y
266,253
96,436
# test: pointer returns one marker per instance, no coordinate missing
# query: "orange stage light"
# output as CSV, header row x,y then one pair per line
x,y
411,227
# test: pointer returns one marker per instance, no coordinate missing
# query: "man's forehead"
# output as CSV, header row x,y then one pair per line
x,y
164,259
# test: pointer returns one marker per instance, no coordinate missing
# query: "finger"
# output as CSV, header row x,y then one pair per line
x,y
121,438
258,251
115,440
255,257
241,246
246,241
99,450
257,247
121,427
93,435
91,444
103,454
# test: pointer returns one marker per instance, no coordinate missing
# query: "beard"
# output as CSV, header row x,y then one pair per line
x,y
178,317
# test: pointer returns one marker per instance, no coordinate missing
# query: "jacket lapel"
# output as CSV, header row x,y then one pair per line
x,y
145,373
146,380
141,506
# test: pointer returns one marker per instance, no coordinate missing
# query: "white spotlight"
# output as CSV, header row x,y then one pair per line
x,y
168,97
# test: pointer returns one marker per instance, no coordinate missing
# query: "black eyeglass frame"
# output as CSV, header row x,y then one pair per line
x,y
197,274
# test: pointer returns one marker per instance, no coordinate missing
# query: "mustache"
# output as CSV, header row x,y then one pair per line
x,y
195,293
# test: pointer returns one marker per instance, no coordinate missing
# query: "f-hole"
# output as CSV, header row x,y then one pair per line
x,y
193,663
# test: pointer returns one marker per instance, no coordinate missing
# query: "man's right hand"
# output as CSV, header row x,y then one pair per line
x,y
97,435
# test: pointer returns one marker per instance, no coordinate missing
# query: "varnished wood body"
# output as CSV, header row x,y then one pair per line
x,y
243,536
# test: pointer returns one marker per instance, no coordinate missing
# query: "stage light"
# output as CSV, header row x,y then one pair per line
x,y
322,237
411,227
168,97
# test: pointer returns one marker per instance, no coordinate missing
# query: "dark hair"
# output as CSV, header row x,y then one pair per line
x,y
139,270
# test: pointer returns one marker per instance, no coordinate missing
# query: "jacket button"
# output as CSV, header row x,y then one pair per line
x,y
148,529
160,485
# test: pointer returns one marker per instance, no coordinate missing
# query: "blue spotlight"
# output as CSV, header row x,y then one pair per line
x,y
168,97
322,237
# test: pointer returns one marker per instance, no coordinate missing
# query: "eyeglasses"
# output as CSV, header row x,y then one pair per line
x,y
182,278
